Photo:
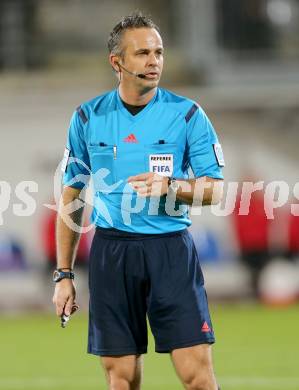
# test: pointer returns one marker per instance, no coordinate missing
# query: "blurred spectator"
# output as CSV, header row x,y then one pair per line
x,y
244,25
207,245
11,254
284,234
17,33
293,237
49,242
252,232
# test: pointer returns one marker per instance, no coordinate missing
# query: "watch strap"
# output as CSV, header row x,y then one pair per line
x,y
58,275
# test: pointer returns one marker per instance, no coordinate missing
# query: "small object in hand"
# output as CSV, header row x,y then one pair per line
x,y
64,320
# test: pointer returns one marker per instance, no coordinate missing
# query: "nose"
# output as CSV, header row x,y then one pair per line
x,y
153,59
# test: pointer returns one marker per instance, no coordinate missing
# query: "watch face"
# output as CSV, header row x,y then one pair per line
x,y
56,276
174,185
59,275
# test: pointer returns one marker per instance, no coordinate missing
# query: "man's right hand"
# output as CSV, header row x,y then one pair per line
x,y
64,297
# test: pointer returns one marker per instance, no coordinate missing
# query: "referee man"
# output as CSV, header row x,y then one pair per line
x,y
137,143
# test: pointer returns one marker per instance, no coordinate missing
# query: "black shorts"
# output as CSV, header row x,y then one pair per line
x,y
132,276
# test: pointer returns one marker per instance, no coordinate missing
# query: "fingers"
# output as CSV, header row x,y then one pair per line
x,y
75,307
64,298
148,184
138,184
69,306
154,189
144,179
141,177
60,304
150,191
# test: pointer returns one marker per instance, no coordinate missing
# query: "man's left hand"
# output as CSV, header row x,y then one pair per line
x,y
149,184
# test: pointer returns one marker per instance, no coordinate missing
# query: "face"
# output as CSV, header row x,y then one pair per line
x,y
142,53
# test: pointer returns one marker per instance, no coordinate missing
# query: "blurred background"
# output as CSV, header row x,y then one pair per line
x,y
239,59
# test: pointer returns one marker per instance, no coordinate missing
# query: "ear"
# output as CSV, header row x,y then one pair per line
x,y
114,60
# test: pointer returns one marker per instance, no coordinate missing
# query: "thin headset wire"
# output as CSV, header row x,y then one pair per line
x,y
119,80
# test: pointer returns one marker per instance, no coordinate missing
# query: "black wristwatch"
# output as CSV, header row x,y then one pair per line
x,y
58,275
172,185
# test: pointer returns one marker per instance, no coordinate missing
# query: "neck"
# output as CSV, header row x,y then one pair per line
x,y
134,97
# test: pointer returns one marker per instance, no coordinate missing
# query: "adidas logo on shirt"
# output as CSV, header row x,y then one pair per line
x,y
131,138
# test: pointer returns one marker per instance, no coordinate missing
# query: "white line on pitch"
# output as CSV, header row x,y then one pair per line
x,y
11,383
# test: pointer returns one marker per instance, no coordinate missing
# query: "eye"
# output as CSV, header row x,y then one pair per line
x,y
142,53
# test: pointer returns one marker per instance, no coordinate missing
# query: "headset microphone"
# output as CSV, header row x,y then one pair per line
x,y
140,75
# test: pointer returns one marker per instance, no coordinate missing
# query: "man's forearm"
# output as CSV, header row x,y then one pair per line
x,y
67,238
201,191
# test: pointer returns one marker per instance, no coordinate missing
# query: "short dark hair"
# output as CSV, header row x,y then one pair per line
x,y
134,20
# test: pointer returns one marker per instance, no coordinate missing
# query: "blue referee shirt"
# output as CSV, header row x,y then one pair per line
x,y
109,144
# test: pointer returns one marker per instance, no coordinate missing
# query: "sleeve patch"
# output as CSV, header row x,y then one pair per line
x,y
65,159
81,114
219,154
191,112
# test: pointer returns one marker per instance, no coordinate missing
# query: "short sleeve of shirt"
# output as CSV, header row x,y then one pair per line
x,y
77,165
204,154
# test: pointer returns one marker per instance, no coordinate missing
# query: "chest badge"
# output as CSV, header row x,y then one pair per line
x,y
162,164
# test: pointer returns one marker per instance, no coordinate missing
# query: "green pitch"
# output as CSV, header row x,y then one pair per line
x,y
256,348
